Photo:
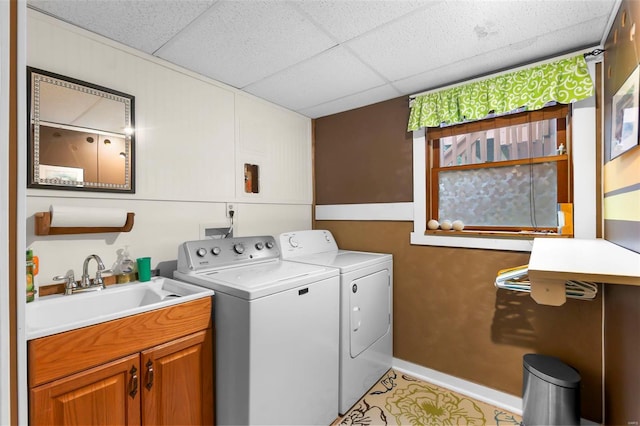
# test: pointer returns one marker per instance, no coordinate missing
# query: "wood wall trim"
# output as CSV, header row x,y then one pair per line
x,y
13,207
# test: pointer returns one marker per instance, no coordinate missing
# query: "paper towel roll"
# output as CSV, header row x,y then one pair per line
x,y
67,216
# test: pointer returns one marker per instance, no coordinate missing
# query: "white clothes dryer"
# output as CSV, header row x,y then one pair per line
x,y
366,307
277,331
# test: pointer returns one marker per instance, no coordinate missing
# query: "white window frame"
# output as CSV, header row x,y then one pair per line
x,y
583,129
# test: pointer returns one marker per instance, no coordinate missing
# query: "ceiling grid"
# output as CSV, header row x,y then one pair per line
x,y
321,57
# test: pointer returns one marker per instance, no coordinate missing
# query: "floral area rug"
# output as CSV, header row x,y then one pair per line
x,y
399,399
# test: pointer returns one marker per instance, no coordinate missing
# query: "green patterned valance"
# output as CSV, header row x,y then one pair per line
x,y
563,81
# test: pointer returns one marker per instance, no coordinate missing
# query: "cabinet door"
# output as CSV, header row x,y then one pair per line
x,y
177,382
105,395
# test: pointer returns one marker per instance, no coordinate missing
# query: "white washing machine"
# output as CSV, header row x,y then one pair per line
x,y
276,328
366,304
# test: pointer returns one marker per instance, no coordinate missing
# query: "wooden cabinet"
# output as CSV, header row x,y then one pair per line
x,y
176,382
103,395
165,377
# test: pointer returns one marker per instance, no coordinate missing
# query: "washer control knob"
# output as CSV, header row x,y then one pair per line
x,y
293,242
238,248
259,246
201,252
215,251
269,244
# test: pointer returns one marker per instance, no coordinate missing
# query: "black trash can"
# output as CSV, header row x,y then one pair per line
x,y
550,392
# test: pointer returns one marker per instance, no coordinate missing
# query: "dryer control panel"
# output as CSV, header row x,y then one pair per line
x,y
302,243
216,253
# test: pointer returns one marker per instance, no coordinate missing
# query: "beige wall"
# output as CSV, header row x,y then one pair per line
x,y
448,316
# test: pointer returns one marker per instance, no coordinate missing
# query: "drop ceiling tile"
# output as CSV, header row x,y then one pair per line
x,y
528,51
143,25
412,44
368,97
345,20
457,73
239,42
435,37
330,75
286,51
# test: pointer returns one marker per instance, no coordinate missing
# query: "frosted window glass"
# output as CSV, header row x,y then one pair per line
x,y
500,196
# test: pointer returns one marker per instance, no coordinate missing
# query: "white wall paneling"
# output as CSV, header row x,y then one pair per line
x,y
184,126
153,234
193,136
271,219
279,142
159,228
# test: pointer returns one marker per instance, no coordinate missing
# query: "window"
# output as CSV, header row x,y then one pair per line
x,y
504,173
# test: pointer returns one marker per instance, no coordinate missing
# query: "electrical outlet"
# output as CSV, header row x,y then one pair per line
x,y
231,208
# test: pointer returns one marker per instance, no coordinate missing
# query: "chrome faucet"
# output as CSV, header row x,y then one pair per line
x,y
85,281
70,282
85,284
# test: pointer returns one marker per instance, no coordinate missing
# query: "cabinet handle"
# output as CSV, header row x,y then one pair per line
x,y
133,385
149,374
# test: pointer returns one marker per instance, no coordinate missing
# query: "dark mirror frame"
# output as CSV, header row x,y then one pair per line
x,y
34,77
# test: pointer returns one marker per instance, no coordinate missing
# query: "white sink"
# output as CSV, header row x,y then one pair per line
x,y
58,313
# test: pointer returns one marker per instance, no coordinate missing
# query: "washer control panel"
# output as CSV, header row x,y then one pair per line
x,y
215,253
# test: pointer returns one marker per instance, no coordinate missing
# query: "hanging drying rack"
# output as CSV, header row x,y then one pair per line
x,y
517,279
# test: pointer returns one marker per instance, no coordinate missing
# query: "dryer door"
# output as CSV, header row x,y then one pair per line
x,y
370,310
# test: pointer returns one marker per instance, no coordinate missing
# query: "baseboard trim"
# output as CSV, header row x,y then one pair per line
x,y
491,396
481,393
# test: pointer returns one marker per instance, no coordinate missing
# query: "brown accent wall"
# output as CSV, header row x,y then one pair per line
x,y
622,346
448,315
622,303
365,156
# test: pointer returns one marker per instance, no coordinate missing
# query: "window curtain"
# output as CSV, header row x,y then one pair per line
x,y
564,81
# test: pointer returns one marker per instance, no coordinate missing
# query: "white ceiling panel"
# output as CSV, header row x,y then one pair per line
x,y
484,64
368,97
330,75
319,57
415,44
239,42
345,20
143,25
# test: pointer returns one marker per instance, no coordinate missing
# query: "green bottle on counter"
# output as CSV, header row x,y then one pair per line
x,y
33,264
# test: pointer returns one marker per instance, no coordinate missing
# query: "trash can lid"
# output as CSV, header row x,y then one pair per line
x,y
552,370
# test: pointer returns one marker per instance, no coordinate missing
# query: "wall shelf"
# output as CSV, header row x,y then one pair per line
x,y
42,222
554,261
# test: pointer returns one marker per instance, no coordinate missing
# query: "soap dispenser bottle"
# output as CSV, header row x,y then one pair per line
x,y
125,268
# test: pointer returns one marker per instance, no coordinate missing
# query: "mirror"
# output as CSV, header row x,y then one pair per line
x,y
81,136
